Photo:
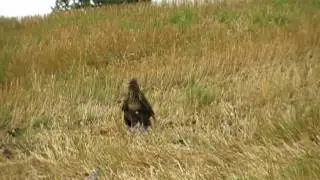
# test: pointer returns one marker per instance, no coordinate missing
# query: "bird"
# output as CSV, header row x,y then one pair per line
x,y
136,108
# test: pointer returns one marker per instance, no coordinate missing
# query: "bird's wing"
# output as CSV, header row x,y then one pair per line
x,y
146,103
124,106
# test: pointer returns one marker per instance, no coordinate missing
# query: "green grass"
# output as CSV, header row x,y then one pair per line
x,y
184,18
226,17
235,88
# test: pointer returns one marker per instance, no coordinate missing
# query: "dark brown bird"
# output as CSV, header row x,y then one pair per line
x,y
136,108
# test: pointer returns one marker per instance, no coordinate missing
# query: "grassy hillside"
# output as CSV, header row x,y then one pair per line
x,y
235,88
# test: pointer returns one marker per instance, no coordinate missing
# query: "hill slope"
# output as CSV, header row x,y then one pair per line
x,y
235,88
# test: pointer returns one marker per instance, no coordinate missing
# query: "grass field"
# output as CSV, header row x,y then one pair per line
x,y
235,88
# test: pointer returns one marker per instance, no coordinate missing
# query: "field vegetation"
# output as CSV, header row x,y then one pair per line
x,y
235,87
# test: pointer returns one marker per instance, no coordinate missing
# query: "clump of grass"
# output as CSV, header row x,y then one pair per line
x,y
264,18
42,122
316,3
184,18
3,67
279,3
158,25
5,116
200,95
129,25
9,43
303,166
226,17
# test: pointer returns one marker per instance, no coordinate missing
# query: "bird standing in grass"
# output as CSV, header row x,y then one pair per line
x,y
136,108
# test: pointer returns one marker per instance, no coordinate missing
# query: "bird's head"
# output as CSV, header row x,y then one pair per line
x,y
133,84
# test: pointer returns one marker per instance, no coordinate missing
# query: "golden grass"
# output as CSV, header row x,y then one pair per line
x,y
235,88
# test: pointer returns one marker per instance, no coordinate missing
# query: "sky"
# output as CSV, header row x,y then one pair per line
x,y
20,8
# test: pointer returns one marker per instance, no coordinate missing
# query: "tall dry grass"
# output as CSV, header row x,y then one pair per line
x,y
235,88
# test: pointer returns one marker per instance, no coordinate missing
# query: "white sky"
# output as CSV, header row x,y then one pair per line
x,y
19,8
